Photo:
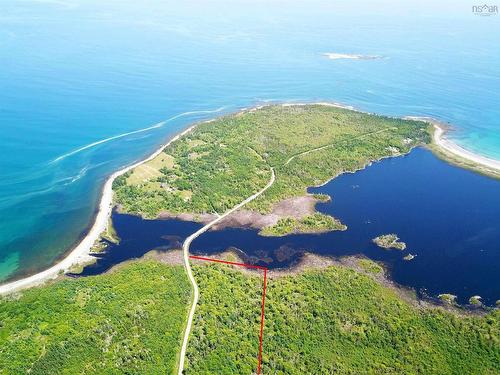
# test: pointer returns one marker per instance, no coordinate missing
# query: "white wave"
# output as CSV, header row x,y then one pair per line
x,y
12,200
54,186
80,174
139,137
349,56
156,126
160,124
195,113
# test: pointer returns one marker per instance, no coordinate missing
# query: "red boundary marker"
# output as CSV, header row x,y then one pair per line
x,y
259,364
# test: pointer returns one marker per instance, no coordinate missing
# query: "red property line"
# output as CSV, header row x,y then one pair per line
x,y
259,365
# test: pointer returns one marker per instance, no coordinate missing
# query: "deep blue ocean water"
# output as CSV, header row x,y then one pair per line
x,y
76,72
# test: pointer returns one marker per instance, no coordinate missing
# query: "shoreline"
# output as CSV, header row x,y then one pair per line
x,y
456,154
80,254
440,140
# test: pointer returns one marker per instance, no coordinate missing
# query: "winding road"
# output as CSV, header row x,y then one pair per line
x,y
337,143
187,243
185,250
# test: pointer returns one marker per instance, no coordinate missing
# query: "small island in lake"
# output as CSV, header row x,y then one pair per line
x,y
409,257
390,241
315,223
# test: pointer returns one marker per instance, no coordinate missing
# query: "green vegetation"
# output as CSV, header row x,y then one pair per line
x,y
331,321
334,320
389,241
107,236
370,266
314,223
322,197
449,299
475,300
222,162
129,321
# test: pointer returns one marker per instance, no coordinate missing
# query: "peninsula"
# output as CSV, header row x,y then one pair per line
x,y
249,169
142,188
455,154
218,164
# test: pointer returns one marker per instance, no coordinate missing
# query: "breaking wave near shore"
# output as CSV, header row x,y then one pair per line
x,y
155,126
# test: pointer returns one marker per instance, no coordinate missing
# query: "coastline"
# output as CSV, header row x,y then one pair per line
x,y
454,153
440,140
80,254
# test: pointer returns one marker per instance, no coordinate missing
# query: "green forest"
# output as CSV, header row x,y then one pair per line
x,y
222,162
332,321
315,223
128,321
323,321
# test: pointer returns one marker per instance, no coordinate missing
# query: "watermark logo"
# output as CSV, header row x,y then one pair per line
x,y
485,10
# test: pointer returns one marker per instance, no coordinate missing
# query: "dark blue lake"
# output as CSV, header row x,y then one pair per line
x,y
448,217
139,236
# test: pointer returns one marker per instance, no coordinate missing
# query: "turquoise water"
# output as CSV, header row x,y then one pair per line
x,y
74,73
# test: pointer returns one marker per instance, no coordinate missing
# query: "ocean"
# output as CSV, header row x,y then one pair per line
x,y
88,87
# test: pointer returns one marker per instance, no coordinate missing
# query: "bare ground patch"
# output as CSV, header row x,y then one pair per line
x,y
170,257
297,207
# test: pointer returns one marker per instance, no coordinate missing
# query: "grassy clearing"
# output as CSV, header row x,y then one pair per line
x,y
223,162
151,170
129,321
331,321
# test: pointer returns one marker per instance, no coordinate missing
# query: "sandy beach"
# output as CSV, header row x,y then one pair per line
x,y
441,141
81,252
450,148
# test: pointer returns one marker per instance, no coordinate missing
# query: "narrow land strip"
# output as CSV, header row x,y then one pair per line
x,y
455,154
185,249
440,140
